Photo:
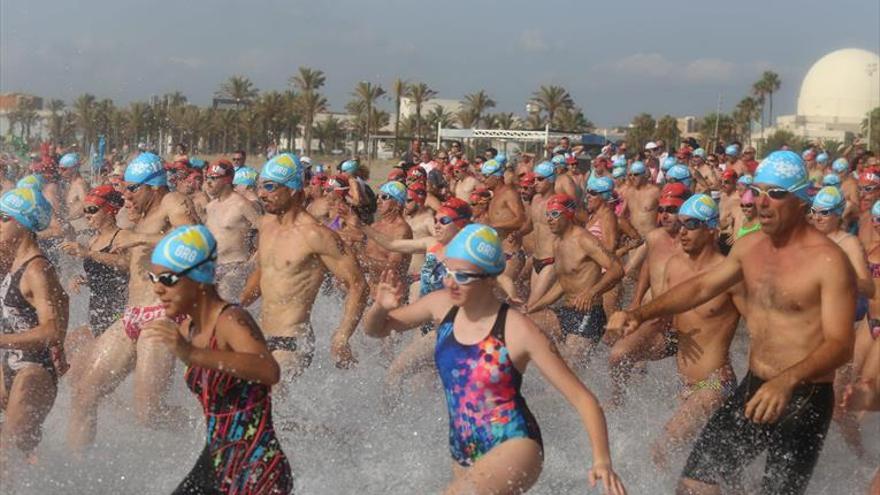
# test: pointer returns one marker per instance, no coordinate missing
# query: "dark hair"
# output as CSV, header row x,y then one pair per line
x,y
493,151
242,152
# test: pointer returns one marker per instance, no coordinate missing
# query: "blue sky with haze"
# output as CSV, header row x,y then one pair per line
x,y
616,59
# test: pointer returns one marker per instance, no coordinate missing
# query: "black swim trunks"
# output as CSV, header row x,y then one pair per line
x,y
589,325
539,264
730,440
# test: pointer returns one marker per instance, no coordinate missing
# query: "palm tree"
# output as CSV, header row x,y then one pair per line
x,y
292,116
771,84
552,99
56,119
760,91
478,103
138,121
270,109
745,114
25,114
399,89
308,81
84,109
467,118
507,120
667,130
420,93
436,116
328,132
572,119
725,125
238,88
640,131
366,95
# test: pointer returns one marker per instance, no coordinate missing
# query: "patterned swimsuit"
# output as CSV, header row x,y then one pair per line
x,y
483,395
242,455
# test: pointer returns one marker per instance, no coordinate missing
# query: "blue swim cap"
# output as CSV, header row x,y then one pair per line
x,y
840,166
396,190
679,173
745,180
546,170
731,150
480,245
637,168
831,180
245,176
349,166
501,158
33,181
668,163
69,160
559,161
701,207
28,207
875,210
285,169
620,162
492,167
147,168
784,169
700,152
197,163
822,157
618,172
189,248
830,198
317,169
602,185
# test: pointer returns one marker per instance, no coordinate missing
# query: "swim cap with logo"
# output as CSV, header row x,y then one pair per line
x,y
479,245
69,160
559,161
285,169
822,157
33,181
188,247
638,168
701,207
679,173
831,180
492,168
146,168
562,203
602,185
829,198
501,158
674,194
458,209
221,168
395,190
106,197
840,166
786,170
28,207
245,176
349,166
546,170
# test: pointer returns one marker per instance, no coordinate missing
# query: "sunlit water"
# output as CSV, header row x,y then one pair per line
x,y
344,443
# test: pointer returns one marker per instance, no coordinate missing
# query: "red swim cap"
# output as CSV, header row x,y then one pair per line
x,y
562,203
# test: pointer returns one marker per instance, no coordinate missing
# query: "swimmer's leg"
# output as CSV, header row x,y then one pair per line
x,y
511,467
688,419
152,381
646,343
77,347
30,399
416,357
111,360
634,262
540,283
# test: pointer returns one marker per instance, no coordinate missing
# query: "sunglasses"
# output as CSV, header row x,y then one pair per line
x,y
132,188
776,193
554,214
90,210
170,279
672,210
447,220
867,189
270,186
692,223
385,197
592,192
875,220
822,213
746,205
465,278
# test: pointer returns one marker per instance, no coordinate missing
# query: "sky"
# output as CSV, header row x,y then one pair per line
x,y
616,60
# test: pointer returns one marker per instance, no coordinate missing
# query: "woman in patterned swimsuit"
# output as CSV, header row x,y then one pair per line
x,y
482,348
229,369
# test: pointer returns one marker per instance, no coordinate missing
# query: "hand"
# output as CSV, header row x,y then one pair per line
x,y
389,291
860,396
610,481
348,215
770,400
76,283
584,301
625,321
341,351
166,332
73,248
128,243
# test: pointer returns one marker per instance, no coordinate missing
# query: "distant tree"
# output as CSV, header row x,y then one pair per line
x,y
746,111
329,132
238,88
760,91
726,128
771,84
420,93
782,138
478,103
552,99
399,89
84,109
507,120
467,118
366,94
871,129
571,119
56,120
308,81
667,130
640,131
438,115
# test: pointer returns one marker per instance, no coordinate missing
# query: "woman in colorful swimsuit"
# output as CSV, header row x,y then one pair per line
x,y
33,320
229,369
482,348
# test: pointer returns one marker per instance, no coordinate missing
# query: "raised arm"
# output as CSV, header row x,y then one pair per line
x,y
386,315
41,288
856,254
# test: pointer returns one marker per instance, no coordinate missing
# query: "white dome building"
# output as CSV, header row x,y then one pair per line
x,y
836,94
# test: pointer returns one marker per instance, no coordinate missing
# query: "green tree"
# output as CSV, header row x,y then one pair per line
x,y
477,103
56,120
308,81
760,92
84,109
138,121
329,132
746,111
366,94
270,108
667,130
238,88
640,131
552,99
782,138
771,84
467,118
871,129
725,125
507,121
420,93
571,119
399,89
